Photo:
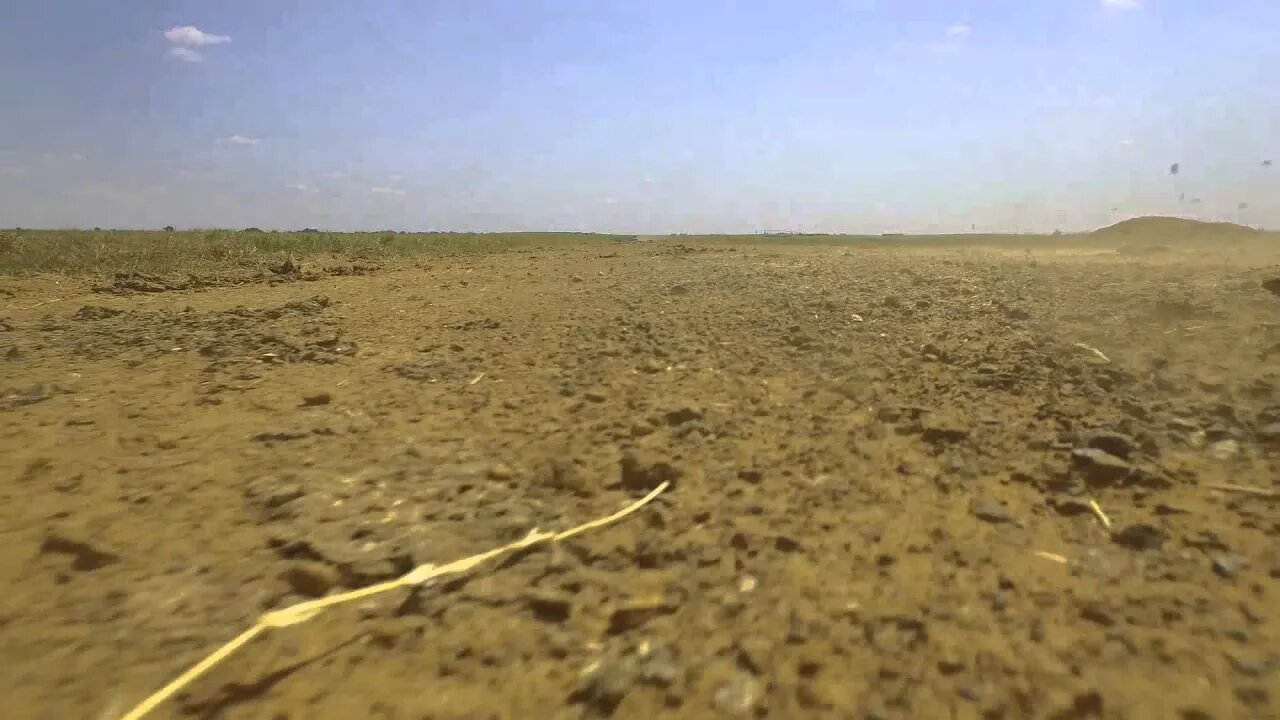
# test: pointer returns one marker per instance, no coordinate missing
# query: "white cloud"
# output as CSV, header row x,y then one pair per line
x,y
242,140
332,175
959,30
192,36
186,55
296,186
385,191
1122,4
1127,141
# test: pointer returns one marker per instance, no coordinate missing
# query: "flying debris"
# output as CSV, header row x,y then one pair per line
x,y
1174,168
1242,206
1182,196
1266,163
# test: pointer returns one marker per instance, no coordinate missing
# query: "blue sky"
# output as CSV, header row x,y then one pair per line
x,y
637,116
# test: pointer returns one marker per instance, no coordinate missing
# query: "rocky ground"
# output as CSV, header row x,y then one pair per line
x,y
884,467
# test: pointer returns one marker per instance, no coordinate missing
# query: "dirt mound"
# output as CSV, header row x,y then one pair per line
x,y
1172,228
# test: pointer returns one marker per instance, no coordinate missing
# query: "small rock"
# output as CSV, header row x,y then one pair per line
x,y
1219,432
500,471
95,312
549,606
604,682
657,665
682,414
1224,449
1069,507
283,495
738,695
643,470
1097,613
990,510
1269,434
595,396
86,552
1206,540
942,432
786,544
310,577
750,475
316,400
1228,566
1082,705
561,473
636,612
388,632
1100,468
1139,536
1117,444
1246,665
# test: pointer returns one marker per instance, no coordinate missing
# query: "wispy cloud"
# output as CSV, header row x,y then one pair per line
x,y
1127,142
333,175
1121,4
957,38
242,140
297,186
192,36
185,55
385,191
185,37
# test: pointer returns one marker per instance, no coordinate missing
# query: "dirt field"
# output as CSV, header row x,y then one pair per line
x,y
883,462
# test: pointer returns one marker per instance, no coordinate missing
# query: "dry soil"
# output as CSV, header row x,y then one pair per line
x,y
883,465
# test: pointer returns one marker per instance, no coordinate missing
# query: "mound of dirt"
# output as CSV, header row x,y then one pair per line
x,y
1172,228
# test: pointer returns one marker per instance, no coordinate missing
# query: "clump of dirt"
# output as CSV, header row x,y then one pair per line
x,y
127,283
905,483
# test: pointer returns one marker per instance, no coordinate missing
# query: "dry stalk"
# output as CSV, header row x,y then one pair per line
x,y
1102,516
1098,353
46,302
1245,489
305,611
1052,556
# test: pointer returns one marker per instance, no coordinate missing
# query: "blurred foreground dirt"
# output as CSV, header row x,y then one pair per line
x,y
881,460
